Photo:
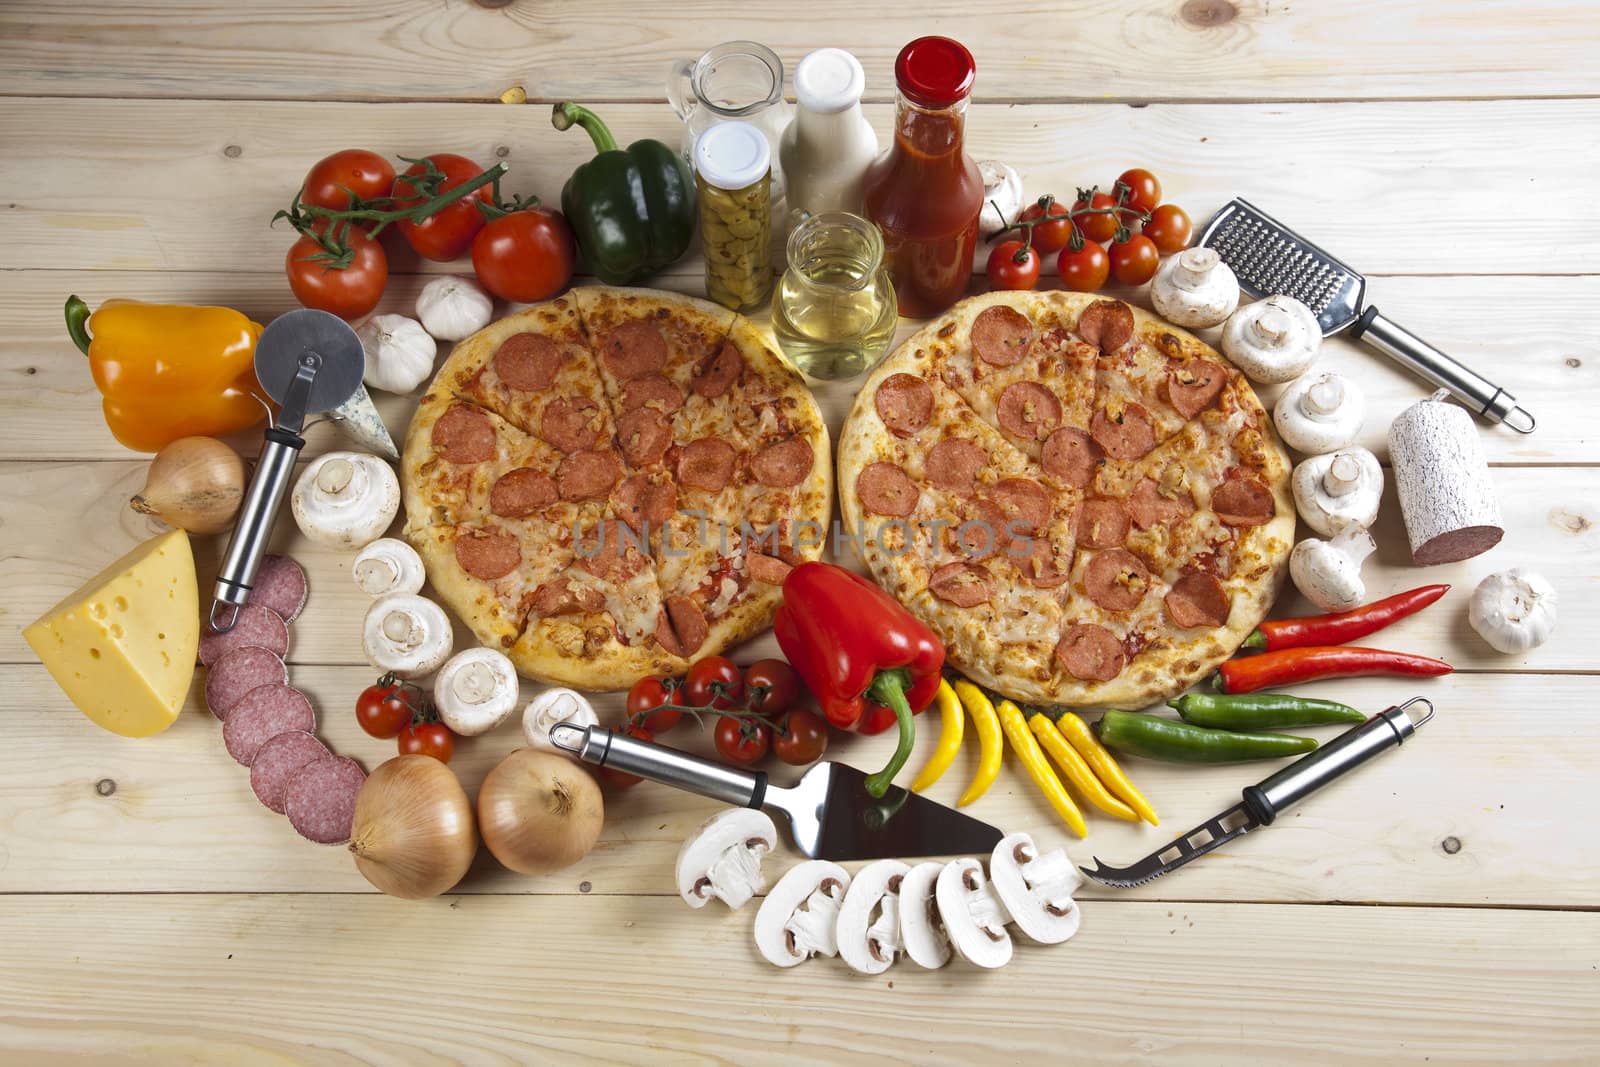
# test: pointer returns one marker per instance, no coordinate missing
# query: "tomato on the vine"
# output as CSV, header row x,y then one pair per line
x,y
1084,270
384,709
1052,234
428,739
1012,265
1134,261
772,685
1144,189
1097,227
352,172
526,255
742,741
1169,228
648,694
622,779
713,682
349,292
448,232
800,737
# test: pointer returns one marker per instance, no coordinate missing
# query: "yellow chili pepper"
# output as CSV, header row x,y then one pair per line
x,y
1032,757
950,730
987,723
1080,737
1076,770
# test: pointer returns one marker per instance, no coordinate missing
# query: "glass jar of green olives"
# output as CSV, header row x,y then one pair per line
x,y
733,170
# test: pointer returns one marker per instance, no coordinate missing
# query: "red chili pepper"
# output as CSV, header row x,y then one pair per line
x,y
1290,665
869,663
1344,626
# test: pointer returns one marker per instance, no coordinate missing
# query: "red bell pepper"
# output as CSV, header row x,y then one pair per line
x,y
866,659
1345,625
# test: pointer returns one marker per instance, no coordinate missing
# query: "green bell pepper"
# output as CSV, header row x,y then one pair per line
x,y
632,210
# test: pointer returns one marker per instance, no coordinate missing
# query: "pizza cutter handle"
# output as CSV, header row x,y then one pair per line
x,y
274,468
1431,365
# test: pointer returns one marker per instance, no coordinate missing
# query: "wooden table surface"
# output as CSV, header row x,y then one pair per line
x,y
1441,905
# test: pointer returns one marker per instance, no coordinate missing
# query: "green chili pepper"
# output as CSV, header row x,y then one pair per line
x,y
1262,711
1153,737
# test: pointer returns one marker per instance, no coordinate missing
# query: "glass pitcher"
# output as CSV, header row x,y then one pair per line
x,y
740,80
834,310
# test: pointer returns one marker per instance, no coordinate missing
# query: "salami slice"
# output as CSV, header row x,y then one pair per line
x,y
634,350
1028,411
904,403
1194,385
254,625
652,391
464,435
238,672
1090,653
953,465
321,799
587,475
644,435
1116,580
1243,501
570,423
280,585
611,552
706,463
264,713
528,361
1001,336
681,628
1024,504
1101,523
488,554
1197,599
784,465
966,585
1071,455
519,493
1126,436
640,500
768,569
884,489
559,597
1042,568
1106,324
717,375
1151,507
276,762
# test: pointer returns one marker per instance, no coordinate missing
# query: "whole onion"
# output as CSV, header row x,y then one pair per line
x,y
413,835
194,484
539,812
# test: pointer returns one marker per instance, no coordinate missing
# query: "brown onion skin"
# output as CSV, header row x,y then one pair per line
x,y
539,812
194,484
413,835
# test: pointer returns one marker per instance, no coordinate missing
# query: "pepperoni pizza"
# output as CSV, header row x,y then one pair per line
x,y
1088,505
610,483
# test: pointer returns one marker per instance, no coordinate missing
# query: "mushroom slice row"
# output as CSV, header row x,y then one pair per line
x,y
922,933
1036,889
973,914
722,859
869,919
800,917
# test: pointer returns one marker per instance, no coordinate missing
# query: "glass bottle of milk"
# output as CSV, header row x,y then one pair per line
x,y
826,150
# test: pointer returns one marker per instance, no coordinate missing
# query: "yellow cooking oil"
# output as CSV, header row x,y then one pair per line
x,y
834,311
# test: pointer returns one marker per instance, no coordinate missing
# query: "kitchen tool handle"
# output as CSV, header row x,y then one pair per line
x,y
1385,730
1431,365
680,88
274,468
662,764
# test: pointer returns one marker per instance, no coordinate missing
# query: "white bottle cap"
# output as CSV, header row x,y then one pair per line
x,y
732,155
829,80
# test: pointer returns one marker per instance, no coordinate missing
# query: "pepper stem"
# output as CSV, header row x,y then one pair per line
x,y
78,323
565,115
889,689
1256,640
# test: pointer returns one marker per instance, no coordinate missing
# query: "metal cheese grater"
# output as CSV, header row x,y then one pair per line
x,y
1271,259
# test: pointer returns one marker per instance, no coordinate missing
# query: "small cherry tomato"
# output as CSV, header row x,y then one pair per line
x,y
649,694
1144,189
353,172
428,739
383,710
1134,261
1013,266
1085,270
348,292
525,256
742,741
1169,227
448,232
1051,235
772,685
622,779
800,737
1097,227
713,682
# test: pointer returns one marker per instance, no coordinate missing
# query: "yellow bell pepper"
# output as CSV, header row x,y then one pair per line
x,y
950,730
1028,751
1076,770
167,371
987,723
1080,737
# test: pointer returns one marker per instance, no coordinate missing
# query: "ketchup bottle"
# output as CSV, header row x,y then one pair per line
x,y
925,193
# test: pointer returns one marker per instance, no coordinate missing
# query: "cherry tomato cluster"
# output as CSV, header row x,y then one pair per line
x,y
394,708
1140,229
520,251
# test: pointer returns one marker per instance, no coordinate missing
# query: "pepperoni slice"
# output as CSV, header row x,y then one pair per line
x,y
640,501
652,391
1090,653
560,597
1028,411
706,463
1106,324
904,403
1101,523
768,569
982,536
1194,385
488,554
570,423
644,435
464,435
1024,504
1151,507
1197,599
717,374
1041,567
1243,501
634,350
966,585
1128,437
785,464
682,628
587,475
953,465
610,550
884,489
528,361
1001,336
1071,455
521,492
1116,580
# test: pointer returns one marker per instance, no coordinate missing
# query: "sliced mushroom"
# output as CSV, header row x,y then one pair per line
x,y
1329,572
922,935
869,918
407,635
551,707
1272,340
1036,890
388,565
1319,413
476,691
723,858
1338,490
799,919
346,499
1195,288
973,914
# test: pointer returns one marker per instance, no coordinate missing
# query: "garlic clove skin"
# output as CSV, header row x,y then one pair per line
x,y
1002,186
1514,611
1320,412
407,635
476,691
1272,340
454,307
346,499
399,353
551,707
1338,490
1328,573
388,565
1195,288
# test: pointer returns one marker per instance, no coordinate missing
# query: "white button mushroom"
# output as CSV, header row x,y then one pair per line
x,y
921,933
1272,340
1036,890
799,919
454,307
1195,288
973,914
407,635
869,918
388,565
723,858
1319,413
1329,572
346,499
1513,610
551,707
1338,490
399,353
476,691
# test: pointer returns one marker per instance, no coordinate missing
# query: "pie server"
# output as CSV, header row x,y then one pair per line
x,y
830,813
1266,799
1271,259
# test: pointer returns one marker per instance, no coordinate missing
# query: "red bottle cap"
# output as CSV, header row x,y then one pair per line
x,y
935,71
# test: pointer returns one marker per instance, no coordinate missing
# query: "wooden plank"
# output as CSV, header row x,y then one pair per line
x,y
275,978
1147,50
1410,200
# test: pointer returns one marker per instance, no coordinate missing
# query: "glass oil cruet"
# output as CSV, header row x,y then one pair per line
x,y
834,311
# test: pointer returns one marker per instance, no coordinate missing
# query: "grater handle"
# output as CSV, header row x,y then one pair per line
x,y
1431,365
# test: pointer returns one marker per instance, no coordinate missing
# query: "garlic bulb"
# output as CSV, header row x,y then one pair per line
x,y
1513,610
399,353
1002,188
452,308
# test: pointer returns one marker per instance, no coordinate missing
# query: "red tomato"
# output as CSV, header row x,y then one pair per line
x,y
1134,261
447,233
525,256
1097,227
1085,270
385,710
1169,227
801,737
648,694
1053,234
428,739
331,182
713,682
350,292
773,686
1144,189
1007,271
742,741
622,779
